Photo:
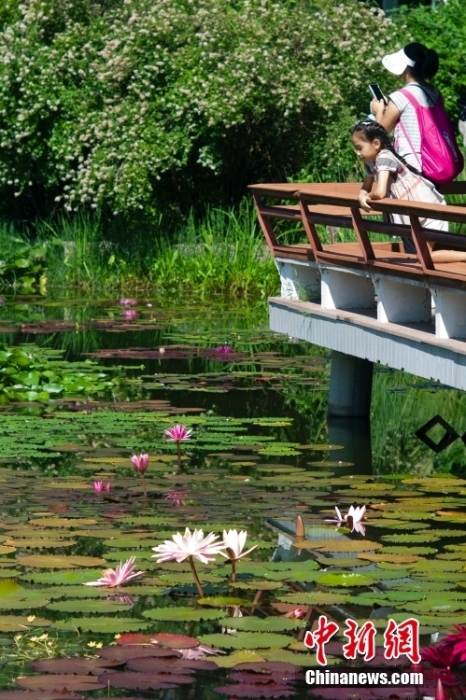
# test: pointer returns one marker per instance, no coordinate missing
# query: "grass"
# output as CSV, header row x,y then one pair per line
x,y
224,253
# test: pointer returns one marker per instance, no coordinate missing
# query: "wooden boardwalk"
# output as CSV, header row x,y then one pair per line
x,y
365,299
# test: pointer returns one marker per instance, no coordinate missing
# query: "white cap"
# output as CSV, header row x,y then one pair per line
x,y
397,62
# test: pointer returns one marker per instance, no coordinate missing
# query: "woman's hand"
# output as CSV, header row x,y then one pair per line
x,y
378,108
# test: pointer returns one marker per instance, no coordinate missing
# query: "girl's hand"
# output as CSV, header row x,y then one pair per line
x,y
364,201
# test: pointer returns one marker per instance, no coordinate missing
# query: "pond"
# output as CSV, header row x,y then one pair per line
x,y
260,455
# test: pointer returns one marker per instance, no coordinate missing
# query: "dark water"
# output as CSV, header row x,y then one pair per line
x,y
263,453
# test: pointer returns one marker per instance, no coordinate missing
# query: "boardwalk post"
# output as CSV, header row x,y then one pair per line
x,y
350,386
354,435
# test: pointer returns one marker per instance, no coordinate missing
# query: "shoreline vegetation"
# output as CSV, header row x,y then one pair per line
x,y
129,131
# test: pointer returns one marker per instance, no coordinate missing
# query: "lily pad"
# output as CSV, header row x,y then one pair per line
x,y
246,640
183,614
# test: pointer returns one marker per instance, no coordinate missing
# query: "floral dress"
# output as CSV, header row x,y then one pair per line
x,y
408,186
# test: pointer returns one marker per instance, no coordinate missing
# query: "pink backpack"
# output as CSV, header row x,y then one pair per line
x,y
442,160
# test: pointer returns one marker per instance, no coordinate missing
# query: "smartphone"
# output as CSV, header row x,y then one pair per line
x,y
376,92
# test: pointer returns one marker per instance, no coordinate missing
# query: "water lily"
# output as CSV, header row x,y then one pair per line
x,y
176,498
130,314
352,519
439,691
234,542
112,578
128,302
189,546
224,349
141,463
100,486
443,656
178,433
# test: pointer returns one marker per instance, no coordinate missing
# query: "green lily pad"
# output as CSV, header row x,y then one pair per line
x,y
109,625
345,579
15,623
183,614
101,607
257,624
314,598
246,640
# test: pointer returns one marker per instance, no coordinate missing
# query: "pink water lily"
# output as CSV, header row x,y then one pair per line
x,y
188,546
100,486
130,314
224,349
176,498
178,433
352,519
112,578
128,302
140,462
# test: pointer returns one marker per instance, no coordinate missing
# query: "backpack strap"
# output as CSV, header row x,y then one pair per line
x,y
415,103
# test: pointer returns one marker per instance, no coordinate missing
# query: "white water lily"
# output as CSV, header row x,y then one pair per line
x,y
191,544
234,542
352,519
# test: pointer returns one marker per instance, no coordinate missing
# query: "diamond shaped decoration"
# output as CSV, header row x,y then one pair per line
x,y
450,434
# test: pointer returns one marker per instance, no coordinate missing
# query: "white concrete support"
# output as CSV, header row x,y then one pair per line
x,y
399,302
350,386
346,290
450,314
298,280
404,347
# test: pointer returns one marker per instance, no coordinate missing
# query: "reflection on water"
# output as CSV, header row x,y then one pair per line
x,y
263,453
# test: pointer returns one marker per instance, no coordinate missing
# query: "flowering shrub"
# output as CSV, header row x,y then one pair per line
x,y
138,105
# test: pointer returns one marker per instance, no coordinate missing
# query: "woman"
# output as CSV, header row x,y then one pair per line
x,y
416,65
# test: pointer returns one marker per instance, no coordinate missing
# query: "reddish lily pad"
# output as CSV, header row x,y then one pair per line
x,y
61,683
251,690
32,695
170,665
175,641
74,665
142,681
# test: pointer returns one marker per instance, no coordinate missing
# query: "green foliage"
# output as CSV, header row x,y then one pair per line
x,y
423,23
224,253
26,374
136,107
22,264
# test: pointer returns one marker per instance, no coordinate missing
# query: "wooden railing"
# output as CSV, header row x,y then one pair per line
x,y
404,287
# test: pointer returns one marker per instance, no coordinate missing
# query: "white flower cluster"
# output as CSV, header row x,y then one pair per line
x,y
100,102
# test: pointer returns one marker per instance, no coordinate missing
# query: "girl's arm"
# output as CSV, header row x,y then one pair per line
x,y
380,188
364,192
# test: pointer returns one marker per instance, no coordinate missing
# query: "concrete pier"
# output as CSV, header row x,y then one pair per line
x,y
350,386
358,339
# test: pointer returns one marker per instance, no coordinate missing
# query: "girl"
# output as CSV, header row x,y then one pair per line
x,y
389,175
